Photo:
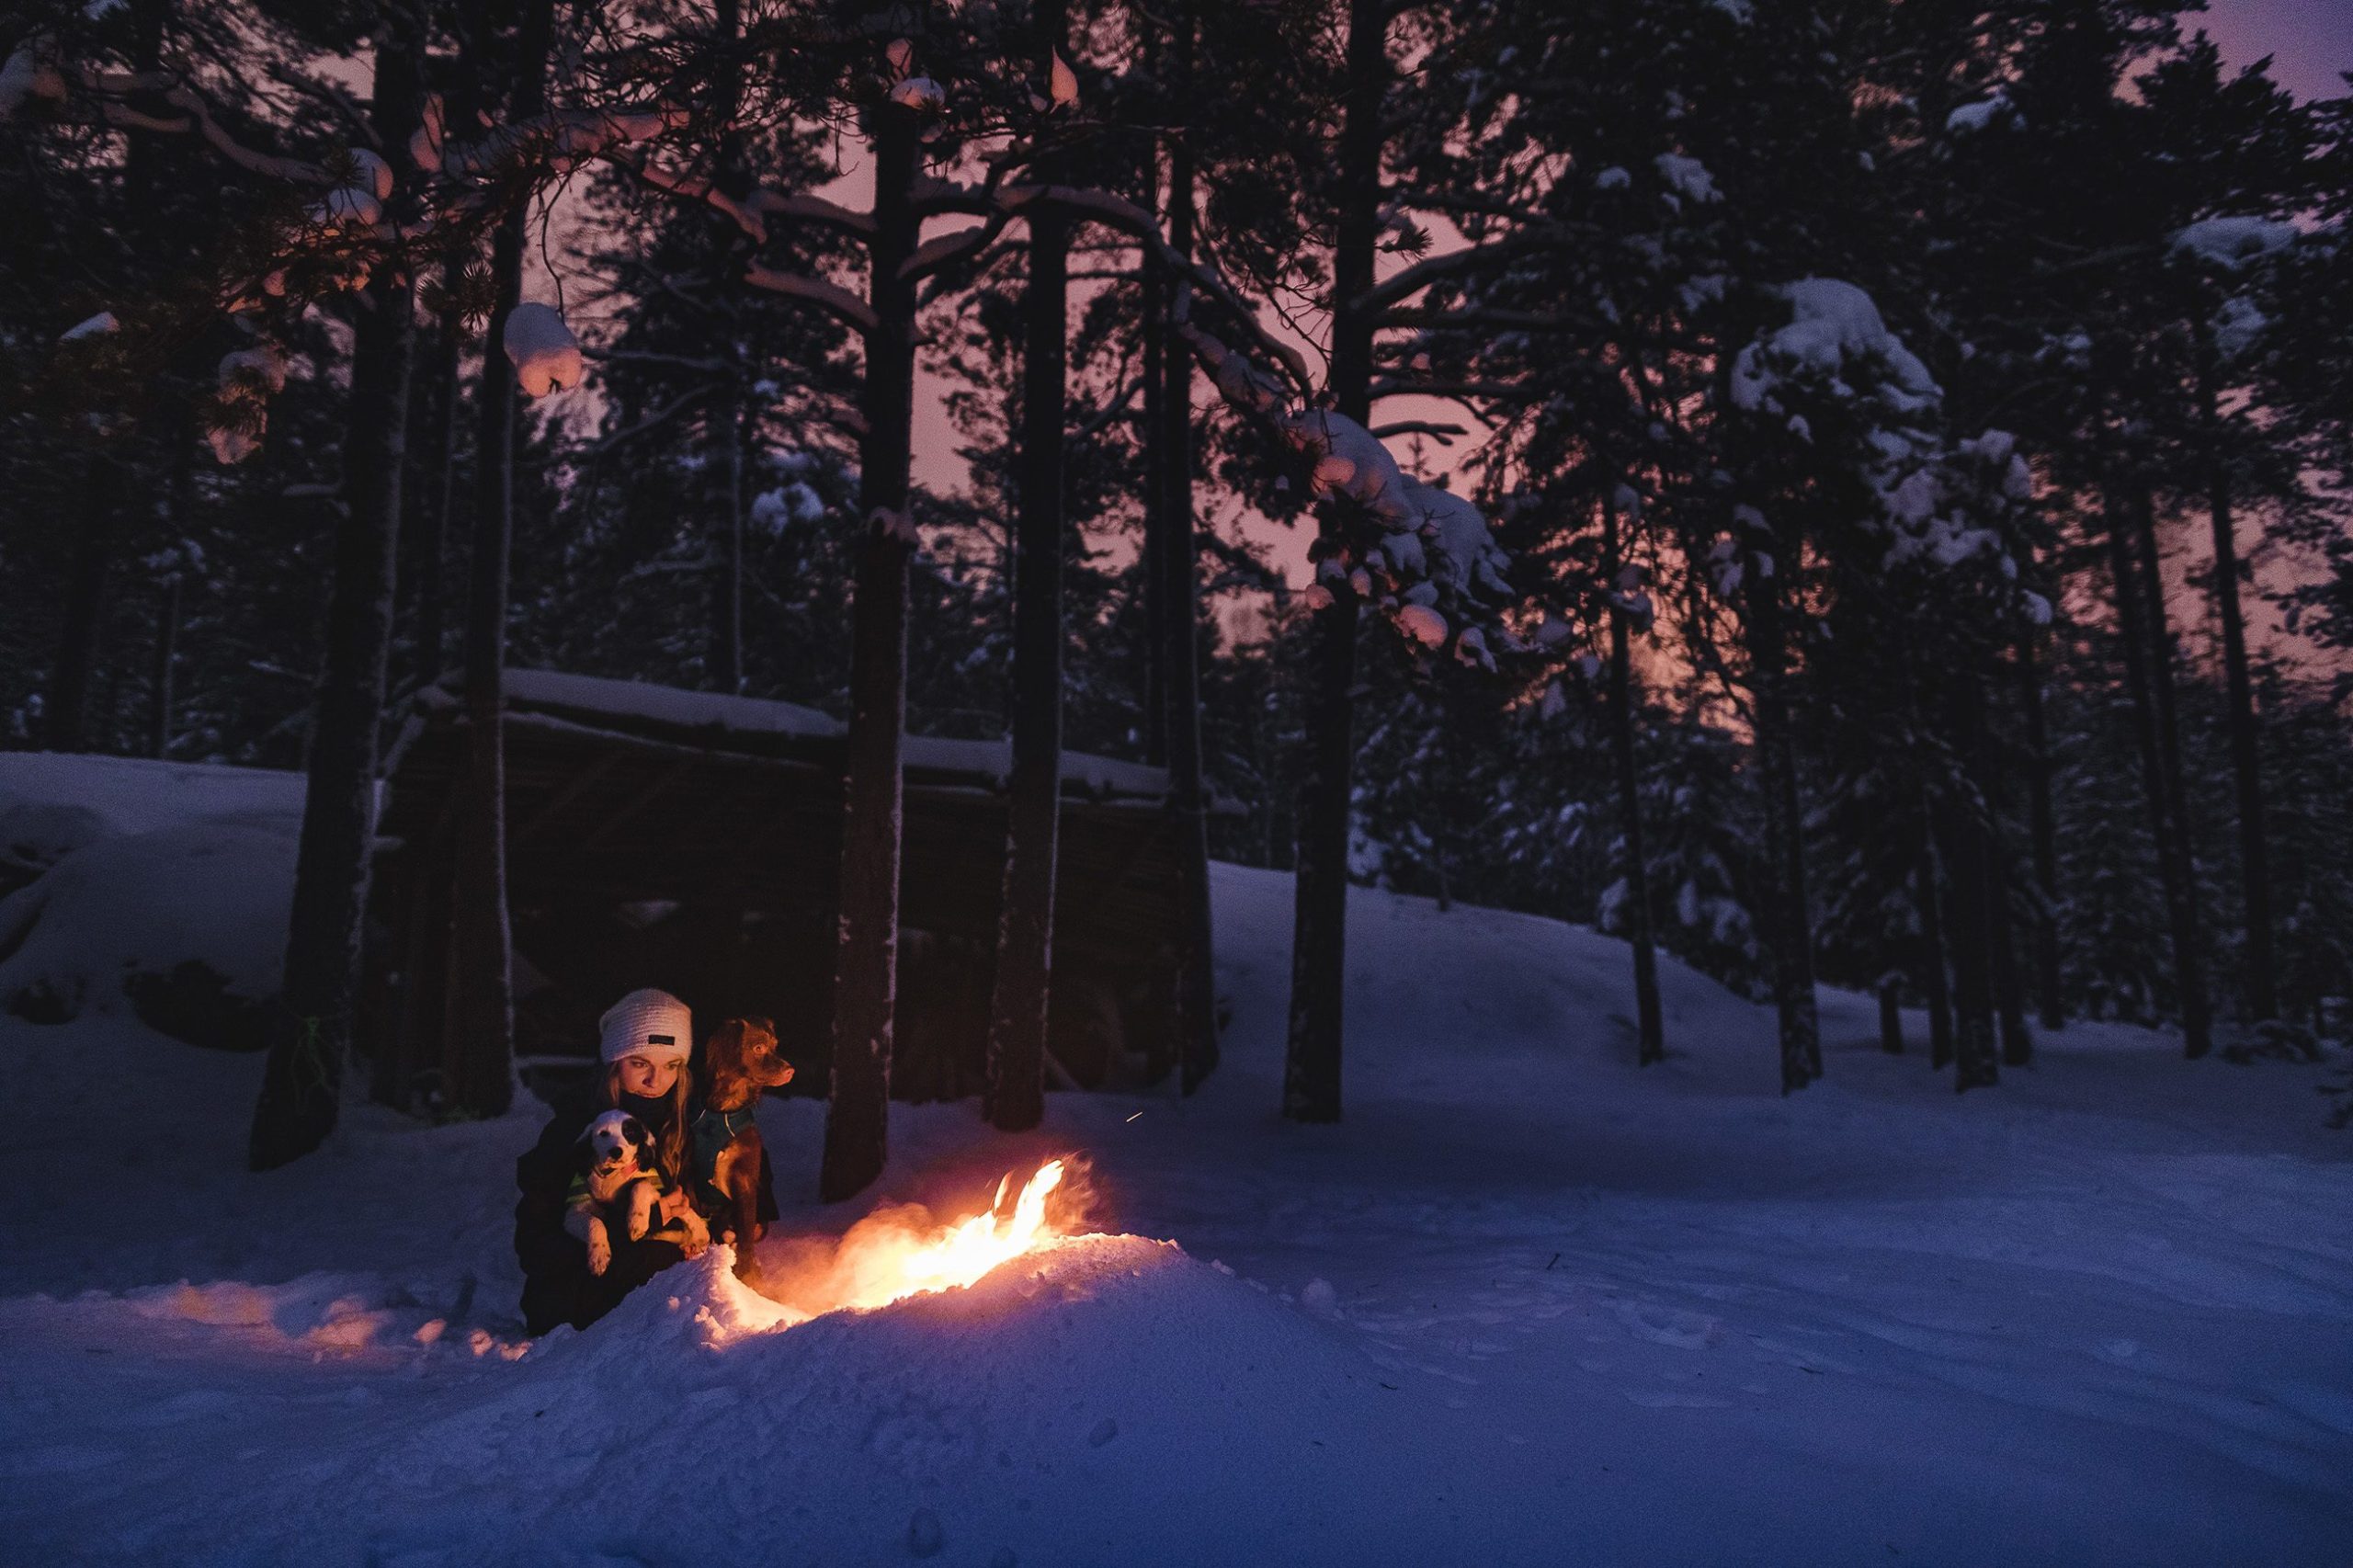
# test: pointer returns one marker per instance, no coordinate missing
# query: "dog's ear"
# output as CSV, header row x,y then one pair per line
x,y
726,1047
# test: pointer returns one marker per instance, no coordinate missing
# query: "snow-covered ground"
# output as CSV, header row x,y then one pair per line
x,y
1528,1304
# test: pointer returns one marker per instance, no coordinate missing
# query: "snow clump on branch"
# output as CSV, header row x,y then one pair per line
x,y
545,355
1834,328
1688,175
1986,113
248,379
1425,544
2232,243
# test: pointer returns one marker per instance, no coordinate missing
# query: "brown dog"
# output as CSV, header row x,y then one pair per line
x,y
728,1159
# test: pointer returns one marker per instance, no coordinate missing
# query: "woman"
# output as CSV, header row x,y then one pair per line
x,y
645,1039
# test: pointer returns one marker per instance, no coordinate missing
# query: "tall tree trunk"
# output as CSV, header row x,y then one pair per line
x,y
726,441
1015,1100
1153,331
1975,1058
431,569
1966,815
867,949
2174,869
433,473
1180,626
2247,767
2197,1010
311,1029
1935,988
2001,927
162,702
66,717
2050,1000
2009,985
1319,932
1650,1028
1793,937
478,1041
723,428
1891,1013
159,690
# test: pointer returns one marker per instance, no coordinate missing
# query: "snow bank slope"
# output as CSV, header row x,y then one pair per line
x,y
1444,1003
159,886
1528,1303
1107,1401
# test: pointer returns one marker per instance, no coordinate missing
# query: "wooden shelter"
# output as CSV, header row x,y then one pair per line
x,y
656,836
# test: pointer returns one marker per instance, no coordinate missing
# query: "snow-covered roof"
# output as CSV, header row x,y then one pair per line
x,y
787,731
667,705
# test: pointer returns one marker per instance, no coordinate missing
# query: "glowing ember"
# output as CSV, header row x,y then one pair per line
x,y
895,1252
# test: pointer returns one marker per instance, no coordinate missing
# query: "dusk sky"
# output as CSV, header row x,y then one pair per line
x,y
2311,41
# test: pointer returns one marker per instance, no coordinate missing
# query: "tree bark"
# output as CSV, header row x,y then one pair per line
x,y
866,955
726,441
1792,935
478,1041
159,694
724,432
311,1028
1015,1100
2174,869
1180,627
1319,932
82,637
430,566
1975,1059
1153,331
1891,1015
67,715
2049,999
1650,1028
1935,985
2010,988
2246,765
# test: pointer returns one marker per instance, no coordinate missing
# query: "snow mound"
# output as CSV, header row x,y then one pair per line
x,y
53,804
2232,243
1096,1381
187,923
1443,1003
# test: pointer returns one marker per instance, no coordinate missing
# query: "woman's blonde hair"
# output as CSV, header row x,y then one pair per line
x,y
670,1148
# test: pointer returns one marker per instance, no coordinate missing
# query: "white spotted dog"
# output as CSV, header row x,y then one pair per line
x,y
617,1183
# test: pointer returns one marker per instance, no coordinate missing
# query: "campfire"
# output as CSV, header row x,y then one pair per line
x,y
900,1251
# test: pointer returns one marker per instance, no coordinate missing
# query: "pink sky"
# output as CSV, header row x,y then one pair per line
x,y
2311,41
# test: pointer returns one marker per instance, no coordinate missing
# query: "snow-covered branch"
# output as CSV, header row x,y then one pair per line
x,y
845,306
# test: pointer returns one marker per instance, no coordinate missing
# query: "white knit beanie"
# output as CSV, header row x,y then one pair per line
x,y
652,1024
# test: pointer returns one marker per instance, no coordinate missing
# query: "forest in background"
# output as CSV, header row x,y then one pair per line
x,y
1830,392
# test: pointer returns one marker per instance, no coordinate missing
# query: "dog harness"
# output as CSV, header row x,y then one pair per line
x,y
713,1130
577,1193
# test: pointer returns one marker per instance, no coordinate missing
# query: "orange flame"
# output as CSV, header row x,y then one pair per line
x,y
897,1252
888,1269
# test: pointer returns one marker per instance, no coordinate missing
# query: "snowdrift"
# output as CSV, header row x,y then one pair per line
x,y
158,888
1095,1402
1528,1304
